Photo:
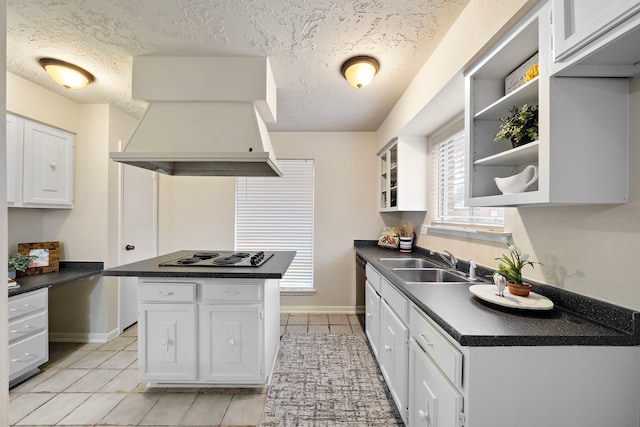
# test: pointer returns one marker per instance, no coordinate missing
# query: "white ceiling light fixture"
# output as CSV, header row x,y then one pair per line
x,y
360,70
65,74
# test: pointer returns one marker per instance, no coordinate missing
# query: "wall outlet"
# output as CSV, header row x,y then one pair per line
x,y
423,229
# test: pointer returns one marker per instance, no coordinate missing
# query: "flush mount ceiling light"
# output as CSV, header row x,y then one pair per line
x,y
65,74
360,70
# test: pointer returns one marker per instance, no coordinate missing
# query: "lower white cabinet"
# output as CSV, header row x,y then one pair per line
x,y
167,341
28,334
208,331
372,321
231,347
393,358
39,165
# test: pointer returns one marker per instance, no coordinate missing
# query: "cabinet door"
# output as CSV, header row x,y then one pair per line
x,y
47,166
167,342
433,400
372,320
393,357
231,348
578,22
14,159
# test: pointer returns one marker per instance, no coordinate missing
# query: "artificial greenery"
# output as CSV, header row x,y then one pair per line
x,y
521,126
513,264
21,262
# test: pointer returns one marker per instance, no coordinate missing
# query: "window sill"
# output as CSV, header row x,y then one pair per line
x,y
297,291
470,233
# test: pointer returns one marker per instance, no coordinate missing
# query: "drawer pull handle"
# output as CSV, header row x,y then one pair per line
x,y
369,315
423,414
231,342
232,292
165,293
24,328
24,307
426,341
25,358
387,347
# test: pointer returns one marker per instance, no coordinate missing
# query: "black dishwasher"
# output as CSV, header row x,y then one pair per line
x,y
361,280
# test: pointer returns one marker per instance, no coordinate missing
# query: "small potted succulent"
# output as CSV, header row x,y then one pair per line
x,y
520,126
511,266
19,262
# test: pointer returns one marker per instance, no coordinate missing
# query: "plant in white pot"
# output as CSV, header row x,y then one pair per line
x,y
511,266
19,262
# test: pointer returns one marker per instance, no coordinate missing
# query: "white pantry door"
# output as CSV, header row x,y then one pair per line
x,y
139,234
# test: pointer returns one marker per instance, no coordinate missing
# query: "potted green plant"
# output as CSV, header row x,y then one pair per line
x,y
19,262
511,266
520,126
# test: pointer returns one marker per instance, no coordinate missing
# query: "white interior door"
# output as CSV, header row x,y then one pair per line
x,y
138,239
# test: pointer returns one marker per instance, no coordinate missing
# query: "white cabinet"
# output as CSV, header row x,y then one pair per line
x,y
435,376
231,346
403,175
372,320
579,22
393,359
167,342
39,165
28,334
208,331
582,150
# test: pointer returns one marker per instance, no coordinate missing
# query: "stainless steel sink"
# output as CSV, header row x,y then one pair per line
x,y
428,275
405,263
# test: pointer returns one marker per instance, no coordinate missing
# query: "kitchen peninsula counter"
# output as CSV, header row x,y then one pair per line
x,y
274,268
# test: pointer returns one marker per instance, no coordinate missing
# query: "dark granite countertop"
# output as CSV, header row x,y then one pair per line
x,y
574,320
272,269
69,271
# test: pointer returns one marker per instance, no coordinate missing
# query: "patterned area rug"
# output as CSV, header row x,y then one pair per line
x,y
328,380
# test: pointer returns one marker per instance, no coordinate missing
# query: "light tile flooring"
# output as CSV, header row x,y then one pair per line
x,y
97,384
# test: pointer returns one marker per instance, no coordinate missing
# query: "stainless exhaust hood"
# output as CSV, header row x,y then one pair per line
x,y
197,123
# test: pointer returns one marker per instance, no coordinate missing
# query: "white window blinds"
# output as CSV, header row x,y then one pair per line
x,y
448,162
276,214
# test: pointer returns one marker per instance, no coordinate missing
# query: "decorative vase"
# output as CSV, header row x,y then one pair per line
x,y
406,244
519,290
12,273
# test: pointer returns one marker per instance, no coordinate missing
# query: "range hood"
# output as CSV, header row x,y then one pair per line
x,y
201,126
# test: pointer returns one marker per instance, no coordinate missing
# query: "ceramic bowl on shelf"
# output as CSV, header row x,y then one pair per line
x,y
517,183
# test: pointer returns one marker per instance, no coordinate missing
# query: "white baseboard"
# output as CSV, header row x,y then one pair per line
x,y
290,309
82,337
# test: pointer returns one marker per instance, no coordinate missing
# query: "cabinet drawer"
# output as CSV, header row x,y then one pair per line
x,y
28,354
373,277
444,354
232,290
167,292
395,300
23,328
28,304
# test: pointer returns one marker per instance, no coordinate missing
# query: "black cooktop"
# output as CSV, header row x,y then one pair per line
x,y
220,259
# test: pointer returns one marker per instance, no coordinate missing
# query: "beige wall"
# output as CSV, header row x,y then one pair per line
x,y
198,212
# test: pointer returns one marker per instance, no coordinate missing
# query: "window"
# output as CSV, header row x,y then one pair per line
x,y
447,153
276,214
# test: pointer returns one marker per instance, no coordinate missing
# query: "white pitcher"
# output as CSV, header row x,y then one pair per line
x,y
518,183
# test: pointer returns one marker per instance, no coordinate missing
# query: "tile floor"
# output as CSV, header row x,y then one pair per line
x,y
97,384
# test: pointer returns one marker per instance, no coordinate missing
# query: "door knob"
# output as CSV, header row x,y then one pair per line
x,y
129,248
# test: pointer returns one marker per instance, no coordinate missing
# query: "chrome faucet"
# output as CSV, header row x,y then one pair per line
x,y
451,260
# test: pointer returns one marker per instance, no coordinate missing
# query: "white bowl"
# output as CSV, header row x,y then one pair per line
x,y
517,183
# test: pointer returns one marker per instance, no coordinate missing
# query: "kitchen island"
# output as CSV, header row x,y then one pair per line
x,y
207,325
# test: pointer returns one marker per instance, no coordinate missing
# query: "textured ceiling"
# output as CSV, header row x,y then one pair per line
x,y
307,41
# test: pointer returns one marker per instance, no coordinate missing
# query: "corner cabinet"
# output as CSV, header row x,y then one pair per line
x,y
582,151
39,165
403,175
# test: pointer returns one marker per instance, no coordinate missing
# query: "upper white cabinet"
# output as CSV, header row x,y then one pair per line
x,y
582,151
403,175
586,30
39,165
